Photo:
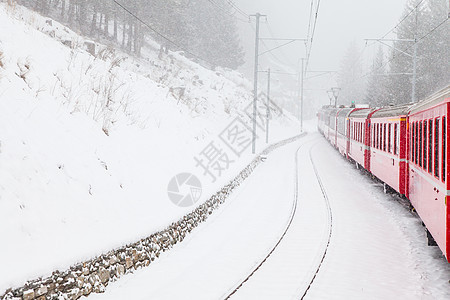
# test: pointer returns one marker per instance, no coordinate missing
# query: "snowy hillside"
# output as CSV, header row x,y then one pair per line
x,y
89,143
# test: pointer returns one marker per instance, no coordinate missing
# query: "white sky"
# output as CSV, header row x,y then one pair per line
x,y
339,23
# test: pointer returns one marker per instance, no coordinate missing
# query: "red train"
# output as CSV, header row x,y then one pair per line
x,y
404,146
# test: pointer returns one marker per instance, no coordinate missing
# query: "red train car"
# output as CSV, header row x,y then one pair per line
x,y
428,172
359,134
342,138
406,147
387,145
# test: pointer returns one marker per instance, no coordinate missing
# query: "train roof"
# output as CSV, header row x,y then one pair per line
x,y
332,110
344,112
392,111
432,100
361,113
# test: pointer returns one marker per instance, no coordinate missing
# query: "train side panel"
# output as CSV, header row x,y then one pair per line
x,y
427,170
384,154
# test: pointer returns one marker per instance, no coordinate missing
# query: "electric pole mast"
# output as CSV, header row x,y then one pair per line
x,y
301,103
268,106
255,81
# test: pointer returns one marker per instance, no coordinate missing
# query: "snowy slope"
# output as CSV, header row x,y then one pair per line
x,y
89,143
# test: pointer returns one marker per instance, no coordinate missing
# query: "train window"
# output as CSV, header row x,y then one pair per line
x,y
416,159
444,146
436,147
373,135
416,142
380,137
411,129
420,143
395,139
413,148
383,137
361,132
425,135
352,129
389,138
376,136
430,146
357,132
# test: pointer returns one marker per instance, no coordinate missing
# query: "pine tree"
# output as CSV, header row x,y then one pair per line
x,y
433,56
376,94
351,79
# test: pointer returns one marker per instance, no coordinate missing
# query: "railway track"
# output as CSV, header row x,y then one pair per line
x,y
329,225
326,238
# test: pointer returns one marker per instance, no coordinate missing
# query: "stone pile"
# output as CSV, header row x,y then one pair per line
x,y
94,275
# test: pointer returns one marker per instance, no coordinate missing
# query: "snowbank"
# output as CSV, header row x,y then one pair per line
x,y
88,143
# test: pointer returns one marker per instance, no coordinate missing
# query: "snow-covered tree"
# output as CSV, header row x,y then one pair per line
x,y
376,94
350,78
433,54
199,28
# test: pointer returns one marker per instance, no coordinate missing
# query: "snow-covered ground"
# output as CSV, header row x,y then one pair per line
x,y
378,249
88,144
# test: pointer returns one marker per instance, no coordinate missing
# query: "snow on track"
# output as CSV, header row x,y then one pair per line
x,y
369,256
377,250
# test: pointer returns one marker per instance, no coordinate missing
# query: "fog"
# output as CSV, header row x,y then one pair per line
x,y
338,24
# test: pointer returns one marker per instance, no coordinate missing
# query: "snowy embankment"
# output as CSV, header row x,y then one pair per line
x,y
88,143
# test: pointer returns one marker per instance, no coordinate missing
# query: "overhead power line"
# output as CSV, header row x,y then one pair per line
x,y
269,28
312,34
400,22
224,10
406,49
403,19
310,19
238,10
409,47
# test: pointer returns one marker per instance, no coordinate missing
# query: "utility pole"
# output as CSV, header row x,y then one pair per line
x,y
268,106
301,104
255,81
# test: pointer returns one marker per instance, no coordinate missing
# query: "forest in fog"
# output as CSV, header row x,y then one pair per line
x,y
203,33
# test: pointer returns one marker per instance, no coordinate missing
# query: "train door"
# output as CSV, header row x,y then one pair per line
x,y
349,137
446,173
404,139
370,132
